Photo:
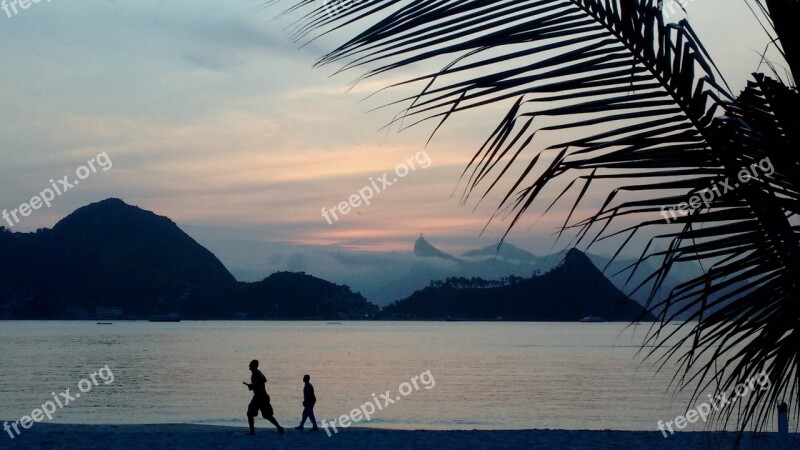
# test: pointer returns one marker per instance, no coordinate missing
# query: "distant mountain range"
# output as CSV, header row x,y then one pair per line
x,y
429,263
113,260
509,260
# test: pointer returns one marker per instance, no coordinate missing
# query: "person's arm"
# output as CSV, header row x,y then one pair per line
x,y
249,386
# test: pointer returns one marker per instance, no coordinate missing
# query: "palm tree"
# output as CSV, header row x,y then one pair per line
x,y
646,112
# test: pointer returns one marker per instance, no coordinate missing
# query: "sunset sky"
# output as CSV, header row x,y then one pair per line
x,y
214,118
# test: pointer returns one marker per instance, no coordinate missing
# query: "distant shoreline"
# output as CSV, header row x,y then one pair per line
x,y
332,322
46,435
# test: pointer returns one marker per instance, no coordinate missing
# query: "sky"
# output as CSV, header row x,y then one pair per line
x,y
213,117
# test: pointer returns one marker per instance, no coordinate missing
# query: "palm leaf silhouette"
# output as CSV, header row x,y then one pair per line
x,y
648,113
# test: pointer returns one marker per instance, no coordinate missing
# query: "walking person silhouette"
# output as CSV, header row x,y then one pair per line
x,y
260,401
309,400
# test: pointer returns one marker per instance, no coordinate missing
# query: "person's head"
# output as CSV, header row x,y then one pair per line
x,y
254,364
306,378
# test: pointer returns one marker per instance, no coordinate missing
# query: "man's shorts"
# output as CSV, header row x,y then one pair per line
x,y
260,404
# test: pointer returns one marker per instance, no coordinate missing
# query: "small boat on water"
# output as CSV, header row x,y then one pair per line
x,y
105,323
593,319
165,318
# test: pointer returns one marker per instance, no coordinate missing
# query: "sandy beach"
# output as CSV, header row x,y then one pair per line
x,y
215,437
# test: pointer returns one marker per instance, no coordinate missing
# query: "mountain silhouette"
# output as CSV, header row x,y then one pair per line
x,y
107,254
424,249
573,290
113,233
507,252
112,256
289,295
115,258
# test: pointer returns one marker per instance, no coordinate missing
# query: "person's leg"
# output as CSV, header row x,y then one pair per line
x,y
252,412
303,421
313,419
275,422
252,423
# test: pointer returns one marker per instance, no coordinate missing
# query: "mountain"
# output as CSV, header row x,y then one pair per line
x,y
506,252
424,249
112,234
132,263
107,254
571,291
409,274
620,272
297,295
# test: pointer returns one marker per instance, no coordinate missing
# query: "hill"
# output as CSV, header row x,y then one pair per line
x,y
111,259
424,249
506,252
573,290
287,294
107,254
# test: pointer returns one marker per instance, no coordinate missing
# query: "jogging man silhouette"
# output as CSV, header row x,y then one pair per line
x,y
309,400
260,402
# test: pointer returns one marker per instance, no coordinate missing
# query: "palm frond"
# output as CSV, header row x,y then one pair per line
x,y
646,109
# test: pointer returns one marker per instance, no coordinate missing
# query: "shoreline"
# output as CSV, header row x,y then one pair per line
x,y
327,321
66,436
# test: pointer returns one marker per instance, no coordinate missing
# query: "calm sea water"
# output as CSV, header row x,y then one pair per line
x,y
487,375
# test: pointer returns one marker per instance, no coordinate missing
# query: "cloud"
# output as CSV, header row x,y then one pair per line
x,y
213,117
